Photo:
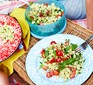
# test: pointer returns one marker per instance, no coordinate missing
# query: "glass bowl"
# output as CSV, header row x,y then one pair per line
x,y
41,31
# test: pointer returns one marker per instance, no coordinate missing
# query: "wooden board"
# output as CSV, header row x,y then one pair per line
x,y
72,28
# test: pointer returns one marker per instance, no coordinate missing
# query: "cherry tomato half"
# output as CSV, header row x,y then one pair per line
x,y
46,4
58,60
73,73
59,53
41,14
52,60
48,75
44,67
42,51
56,72
48,11
53,42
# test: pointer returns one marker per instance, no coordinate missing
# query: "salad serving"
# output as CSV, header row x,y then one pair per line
x,y
10,36
60,59
43,14
6,33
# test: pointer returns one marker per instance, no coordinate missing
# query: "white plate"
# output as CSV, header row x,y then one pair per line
x,y
38,76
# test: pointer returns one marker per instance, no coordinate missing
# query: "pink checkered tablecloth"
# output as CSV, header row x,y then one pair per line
x,y
7,6
82,22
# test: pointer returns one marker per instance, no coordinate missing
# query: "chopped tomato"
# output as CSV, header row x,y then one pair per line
x,y
43,55
69,56
59,15
58,60
51,73
52,60
44,67
59,53
53,42
42,51
69,67
63,58
46,4
48,75
56,72
73,73
66,43
40,14
47,62
48,11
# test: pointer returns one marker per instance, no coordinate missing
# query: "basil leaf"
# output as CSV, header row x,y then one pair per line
x,y
41,65
46,53
54,52
67,62
66,50
74,46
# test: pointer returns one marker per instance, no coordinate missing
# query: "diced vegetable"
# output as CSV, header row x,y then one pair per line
x,y
46,53
53,42
6,33
56,72
44,13
52,60
74,46
48,75
44,67
59,53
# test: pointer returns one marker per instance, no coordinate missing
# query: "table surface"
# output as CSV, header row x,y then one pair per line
x,y
72,28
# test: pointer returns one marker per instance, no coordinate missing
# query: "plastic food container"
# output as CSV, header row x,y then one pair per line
x,y
41,31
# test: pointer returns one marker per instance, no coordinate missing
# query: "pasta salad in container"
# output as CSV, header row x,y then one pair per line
x,y
43,14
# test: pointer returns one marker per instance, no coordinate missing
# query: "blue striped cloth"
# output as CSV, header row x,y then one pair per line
x,y
75,9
